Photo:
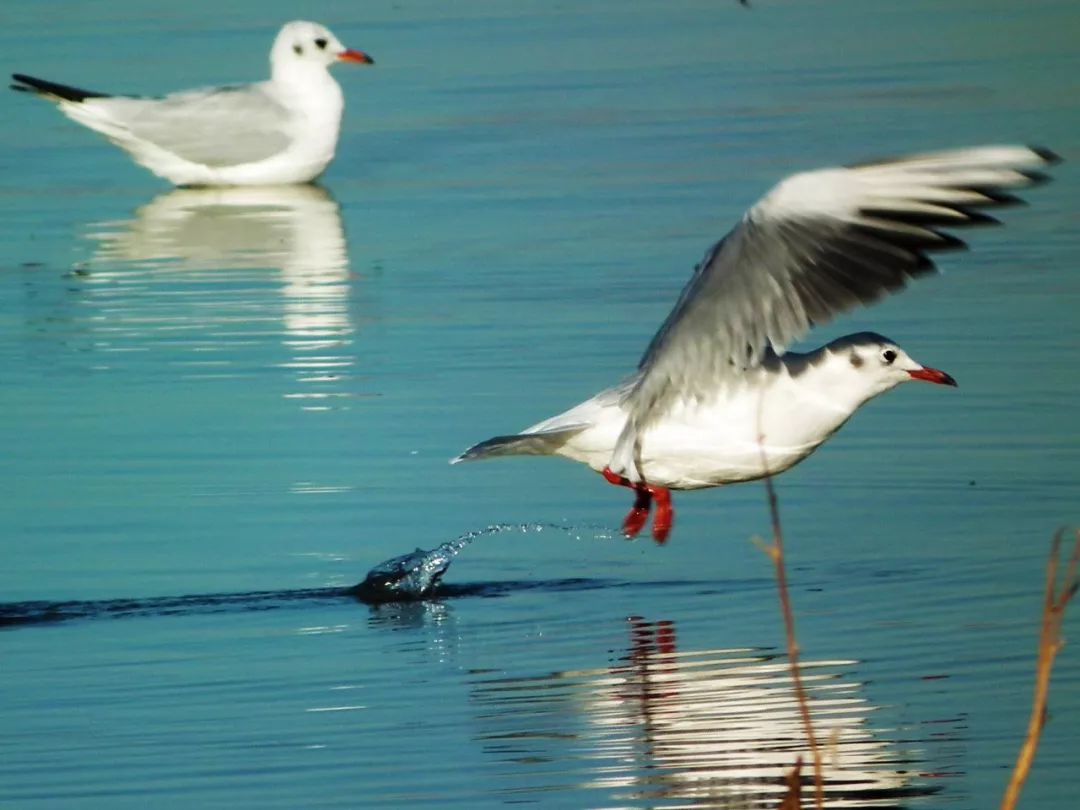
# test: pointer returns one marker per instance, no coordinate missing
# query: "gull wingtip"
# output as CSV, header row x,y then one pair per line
x,y
18,82
1046,154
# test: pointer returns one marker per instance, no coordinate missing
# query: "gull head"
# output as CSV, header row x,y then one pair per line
x,y
877,364
302,44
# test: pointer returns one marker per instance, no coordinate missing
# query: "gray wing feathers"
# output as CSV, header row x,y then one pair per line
x,y
218,127
542,443
819,244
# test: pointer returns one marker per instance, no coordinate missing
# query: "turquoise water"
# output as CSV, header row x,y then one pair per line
x,y
235,392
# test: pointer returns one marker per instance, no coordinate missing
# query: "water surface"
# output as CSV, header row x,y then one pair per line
x,y
240,392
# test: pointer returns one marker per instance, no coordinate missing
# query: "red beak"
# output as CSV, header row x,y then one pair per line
x,y
349,55
933,375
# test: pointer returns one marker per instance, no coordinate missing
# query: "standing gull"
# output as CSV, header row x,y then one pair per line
x,y
283,130
716,399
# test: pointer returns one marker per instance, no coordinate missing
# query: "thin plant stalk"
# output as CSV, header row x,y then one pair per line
x,y
1050,642
793,781
775,550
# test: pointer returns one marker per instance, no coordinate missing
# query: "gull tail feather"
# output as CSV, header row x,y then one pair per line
x,y
541,443
52,90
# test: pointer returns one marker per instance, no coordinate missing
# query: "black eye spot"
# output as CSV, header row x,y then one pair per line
x,y
888,355
298,50
320,43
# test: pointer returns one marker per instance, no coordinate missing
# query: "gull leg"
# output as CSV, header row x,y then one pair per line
x,y
639,512
665,514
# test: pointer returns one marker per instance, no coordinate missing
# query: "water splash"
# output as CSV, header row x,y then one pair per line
x,y
409,578
586,532
416,575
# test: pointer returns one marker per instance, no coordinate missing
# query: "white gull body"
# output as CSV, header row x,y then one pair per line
x,y
715,399
762,424
280,131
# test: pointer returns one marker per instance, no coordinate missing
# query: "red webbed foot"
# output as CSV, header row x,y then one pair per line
x,y
639,513
665,514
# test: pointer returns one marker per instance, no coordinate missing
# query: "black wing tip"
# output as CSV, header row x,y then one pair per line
x,y
972,217
22,83
27,84
476,451
998,198
32,84
945,242
1049,156
1036,178
924,265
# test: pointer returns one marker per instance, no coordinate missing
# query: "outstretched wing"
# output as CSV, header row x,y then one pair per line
x,y
816,245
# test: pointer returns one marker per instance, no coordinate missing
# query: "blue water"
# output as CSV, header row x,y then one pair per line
x,y
237,393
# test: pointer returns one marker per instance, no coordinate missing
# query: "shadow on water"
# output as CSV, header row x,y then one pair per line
x,y
702,728
44,612
414,578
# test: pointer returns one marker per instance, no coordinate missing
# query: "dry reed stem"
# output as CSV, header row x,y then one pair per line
x,y
775,550
793,780
1050,642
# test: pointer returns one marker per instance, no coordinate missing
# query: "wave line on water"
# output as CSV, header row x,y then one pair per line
x,y
415,576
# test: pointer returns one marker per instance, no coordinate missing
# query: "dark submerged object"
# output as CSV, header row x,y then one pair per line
x,y
408,577
411,577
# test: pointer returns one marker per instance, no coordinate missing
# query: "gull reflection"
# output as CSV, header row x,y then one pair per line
x,y
703,728
205,253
